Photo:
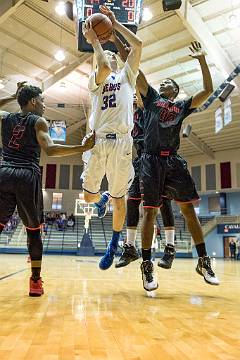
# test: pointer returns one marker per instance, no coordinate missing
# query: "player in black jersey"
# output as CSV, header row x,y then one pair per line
x,y
134,199
164,172
23,136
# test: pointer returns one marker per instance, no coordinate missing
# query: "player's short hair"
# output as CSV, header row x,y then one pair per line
x,y
27,93
175,85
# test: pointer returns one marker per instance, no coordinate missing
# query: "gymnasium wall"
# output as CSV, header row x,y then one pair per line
x,y
62,175
206,172
217,174
214,244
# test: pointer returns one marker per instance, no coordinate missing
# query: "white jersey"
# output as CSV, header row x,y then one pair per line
x,y
112,102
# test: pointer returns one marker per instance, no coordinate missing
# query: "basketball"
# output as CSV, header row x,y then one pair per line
x,y
102,26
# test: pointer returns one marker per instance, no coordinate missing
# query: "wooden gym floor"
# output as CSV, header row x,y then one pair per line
x,y
88,314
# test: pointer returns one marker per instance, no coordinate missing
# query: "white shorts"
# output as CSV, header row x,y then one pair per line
x,y
112,157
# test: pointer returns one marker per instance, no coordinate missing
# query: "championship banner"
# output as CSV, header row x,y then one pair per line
x,y
218,120
58,131
227,111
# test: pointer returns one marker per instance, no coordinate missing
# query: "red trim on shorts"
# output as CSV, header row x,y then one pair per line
x,y
188,202
152,207
33,229
132,198
2,225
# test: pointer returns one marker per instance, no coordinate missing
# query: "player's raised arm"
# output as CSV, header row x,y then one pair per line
x,y
103,66
124,51
200,97
52,149
134,41
10,98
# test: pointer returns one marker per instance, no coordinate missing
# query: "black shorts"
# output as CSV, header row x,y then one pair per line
x,y
166,177
22,188
134,190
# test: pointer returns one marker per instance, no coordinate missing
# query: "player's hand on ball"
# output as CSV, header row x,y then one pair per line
x,y
106,11
89,141
88,32
197,51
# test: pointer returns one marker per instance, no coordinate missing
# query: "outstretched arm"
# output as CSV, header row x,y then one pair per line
x,y
103,66
142,84
52,149
201,96
134,41
124,51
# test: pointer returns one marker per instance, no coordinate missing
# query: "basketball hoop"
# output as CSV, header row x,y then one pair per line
x,y
86,210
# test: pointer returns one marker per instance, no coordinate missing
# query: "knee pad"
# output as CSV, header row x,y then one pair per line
x,y
133,212
167,213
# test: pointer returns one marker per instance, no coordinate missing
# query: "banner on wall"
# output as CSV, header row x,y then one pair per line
x,y
228,228
227,111
58,131
218,120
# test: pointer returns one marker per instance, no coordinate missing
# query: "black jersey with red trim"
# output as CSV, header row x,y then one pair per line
x,y
163,120
137,132
20,145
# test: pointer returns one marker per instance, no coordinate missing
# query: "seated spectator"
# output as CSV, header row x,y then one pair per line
x,y
71,220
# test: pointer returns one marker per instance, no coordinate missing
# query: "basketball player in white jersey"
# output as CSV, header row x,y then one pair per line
x,y
112,93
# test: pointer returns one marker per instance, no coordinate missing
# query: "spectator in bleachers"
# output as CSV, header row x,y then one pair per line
x,y
71,221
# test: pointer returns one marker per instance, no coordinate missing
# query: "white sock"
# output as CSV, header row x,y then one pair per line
x,y
131,236
169,236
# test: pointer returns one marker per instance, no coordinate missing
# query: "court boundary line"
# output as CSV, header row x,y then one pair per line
x,y
12,274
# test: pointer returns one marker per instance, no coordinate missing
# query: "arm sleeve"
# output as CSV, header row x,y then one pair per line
x,y
152,95
130,75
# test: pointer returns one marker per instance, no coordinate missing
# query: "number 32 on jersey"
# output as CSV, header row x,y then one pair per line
x,y
109,101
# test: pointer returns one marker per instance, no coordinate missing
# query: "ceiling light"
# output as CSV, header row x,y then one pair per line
x,y
233,21
60,56
60,8
147,14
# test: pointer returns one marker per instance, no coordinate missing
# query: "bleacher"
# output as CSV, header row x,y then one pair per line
x,y
68,239
205,219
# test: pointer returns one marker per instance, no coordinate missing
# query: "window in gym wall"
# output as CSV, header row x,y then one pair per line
x,y
196,174
214,204
64,177
76,180
57,201
211,177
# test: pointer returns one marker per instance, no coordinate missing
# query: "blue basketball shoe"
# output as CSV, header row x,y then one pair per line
x,y
102,204
107,260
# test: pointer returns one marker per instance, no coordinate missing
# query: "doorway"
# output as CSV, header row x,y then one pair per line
x,y
226,241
